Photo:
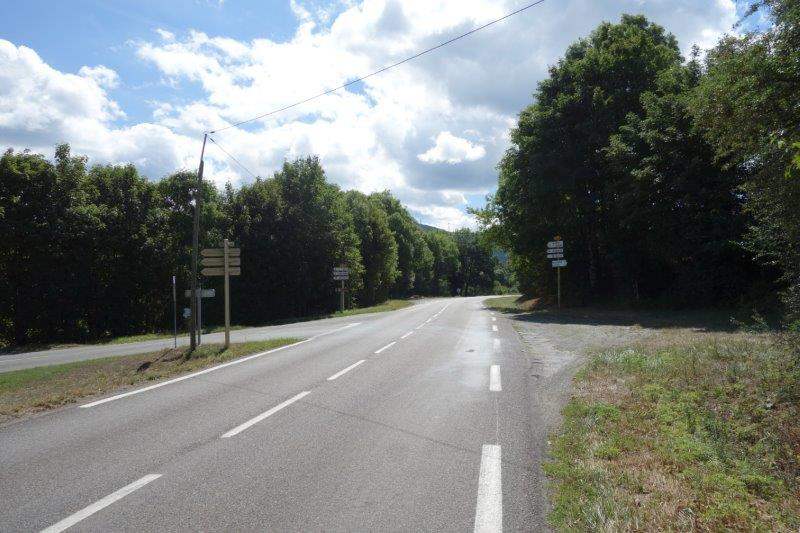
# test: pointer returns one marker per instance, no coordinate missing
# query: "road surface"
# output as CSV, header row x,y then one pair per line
x,y
55,356
420,419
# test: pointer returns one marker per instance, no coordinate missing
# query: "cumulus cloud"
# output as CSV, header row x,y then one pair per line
x,y
392,131
451,149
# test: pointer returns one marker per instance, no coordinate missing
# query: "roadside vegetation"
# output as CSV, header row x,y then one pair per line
x,y
683,431
24,392
674,181
88,253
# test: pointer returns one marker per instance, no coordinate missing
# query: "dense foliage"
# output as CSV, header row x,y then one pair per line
x,y
671,181
89,253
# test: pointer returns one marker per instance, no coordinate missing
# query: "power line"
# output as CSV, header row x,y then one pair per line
x,y
384,69
232,158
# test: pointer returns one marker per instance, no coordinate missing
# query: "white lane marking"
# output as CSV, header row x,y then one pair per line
x,y
495,384
494,328
213,368
386,347
253,421
489,509
345,371
494,318
403,337
100,504
496,344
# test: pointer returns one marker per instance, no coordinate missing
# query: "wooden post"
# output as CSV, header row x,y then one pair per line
x,y
227,295
559,287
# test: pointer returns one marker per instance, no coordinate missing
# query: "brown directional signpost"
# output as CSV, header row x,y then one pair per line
x,y
555,252
225,261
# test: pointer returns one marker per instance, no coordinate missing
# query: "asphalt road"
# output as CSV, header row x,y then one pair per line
x,y
55,356
420,419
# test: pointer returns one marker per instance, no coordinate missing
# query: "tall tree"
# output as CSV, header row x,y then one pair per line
x,y
378,247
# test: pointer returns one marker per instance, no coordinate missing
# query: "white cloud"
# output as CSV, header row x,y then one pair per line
x,y
451,149
373,137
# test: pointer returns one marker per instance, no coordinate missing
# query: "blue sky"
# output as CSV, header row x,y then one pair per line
x,y
125,81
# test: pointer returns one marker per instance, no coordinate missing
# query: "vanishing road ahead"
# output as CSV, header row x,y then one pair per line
x,y
420,419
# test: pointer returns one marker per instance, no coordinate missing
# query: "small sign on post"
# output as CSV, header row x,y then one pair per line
x,y
341,273
555,252
225,262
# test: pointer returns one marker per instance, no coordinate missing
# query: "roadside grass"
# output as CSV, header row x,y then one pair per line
x,y
690,431
24,392
508,304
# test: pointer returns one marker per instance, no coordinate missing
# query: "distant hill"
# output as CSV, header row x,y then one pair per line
x,y
429,229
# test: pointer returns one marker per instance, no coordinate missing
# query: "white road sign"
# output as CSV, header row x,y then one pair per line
x,y
561,263
553,255
204,293
555,244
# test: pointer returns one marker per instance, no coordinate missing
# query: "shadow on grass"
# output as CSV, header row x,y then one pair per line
x,y
701,320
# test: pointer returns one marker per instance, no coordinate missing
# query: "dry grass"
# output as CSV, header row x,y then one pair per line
x,y
25,392
686,431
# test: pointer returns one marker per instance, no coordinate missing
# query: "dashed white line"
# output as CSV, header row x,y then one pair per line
x,y
496,344
386,347
495,383
489,509
100,504
212,369
494,318
494,328
345,371
253,421
404,336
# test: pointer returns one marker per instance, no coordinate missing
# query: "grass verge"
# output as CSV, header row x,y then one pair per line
x,y
24,392
701,433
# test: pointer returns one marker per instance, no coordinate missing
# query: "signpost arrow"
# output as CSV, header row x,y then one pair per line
x,y
559,264
220,261
555,256
220,271
218,252
555,244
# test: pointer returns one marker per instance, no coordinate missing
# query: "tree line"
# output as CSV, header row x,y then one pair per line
x,y
89,252
671,181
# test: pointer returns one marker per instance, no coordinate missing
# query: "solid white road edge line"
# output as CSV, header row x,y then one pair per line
x,y
495,384
494,328
403,337
489,509
385,347
100,504
345,371
212,369
262,416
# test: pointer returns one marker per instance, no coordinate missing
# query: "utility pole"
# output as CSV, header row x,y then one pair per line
x,y
196,246
225,246
174,313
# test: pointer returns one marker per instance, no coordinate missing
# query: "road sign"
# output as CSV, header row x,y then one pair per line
x,y
204,293
218,252
554,255
559,264
187,312
341,273
555,244
220,271
220,261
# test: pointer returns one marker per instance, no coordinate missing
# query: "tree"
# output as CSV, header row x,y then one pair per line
x,y
293,229
378,247
445,262
478,264
748,103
